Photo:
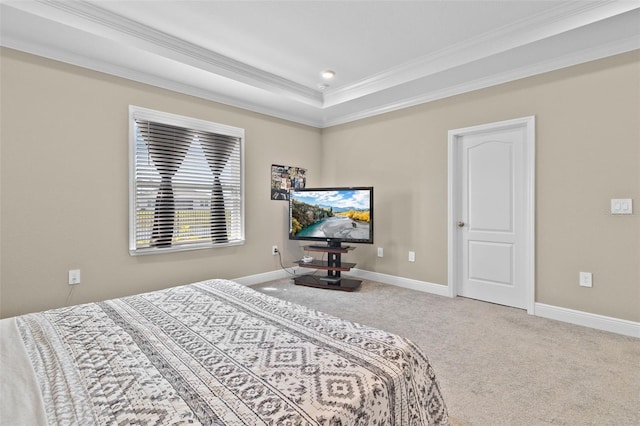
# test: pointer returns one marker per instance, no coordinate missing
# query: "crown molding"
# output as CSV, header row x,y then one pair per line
x,y
88,36
295,115
116,27
560,19
618,47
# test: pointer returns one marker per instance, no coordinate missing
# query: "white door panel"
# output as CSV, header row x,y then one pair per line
x,y
489,203
491,263
489,179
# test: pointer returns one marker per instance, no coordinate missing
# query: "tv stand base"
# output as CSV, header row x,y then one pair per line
x,y
339,283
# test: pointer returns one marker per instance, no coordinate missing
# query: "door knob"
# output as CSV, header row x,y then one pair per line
x,y
460,224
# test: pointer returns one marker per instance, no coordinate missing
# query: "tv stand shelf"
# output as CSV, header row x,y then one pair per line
x,y
333,265
323,264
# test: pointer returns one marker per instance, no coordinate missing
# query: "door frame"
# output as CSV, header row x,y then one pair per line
x,y
454,187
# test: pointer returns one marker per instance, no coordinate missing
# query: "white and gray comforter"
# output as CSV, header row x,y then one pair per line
x,y
214,353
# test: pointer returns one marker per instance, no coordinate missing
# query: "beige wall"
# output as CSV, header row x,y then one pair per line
x,y
587,152
588,135
64,186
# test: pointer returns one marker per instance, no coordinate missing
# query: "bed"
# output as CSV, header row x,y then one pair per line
x,y
213,352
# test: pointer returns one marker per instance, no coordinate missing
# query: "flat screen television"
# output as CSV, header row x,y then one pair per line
x,y
331,215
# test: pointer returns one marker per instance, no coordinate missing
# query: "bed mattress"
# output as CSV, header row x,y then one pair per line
x,y
215,353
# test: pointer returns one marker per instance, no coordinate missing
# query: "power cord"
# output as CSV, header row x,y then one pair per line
x,y
66,303
293,274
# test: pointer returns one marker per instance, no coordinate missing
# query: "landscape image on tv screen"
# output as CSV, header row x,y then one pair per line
x,y
341,214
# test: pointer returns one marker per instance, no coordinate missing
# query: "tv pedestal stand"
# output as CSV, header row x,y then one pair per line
x,y
333,265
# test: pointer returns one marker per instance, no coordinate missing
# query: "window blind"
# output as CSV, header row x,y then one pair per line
x,y
187,183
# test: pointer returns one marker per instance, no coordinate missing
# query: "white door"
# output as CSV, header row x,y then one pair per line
x,y
491,212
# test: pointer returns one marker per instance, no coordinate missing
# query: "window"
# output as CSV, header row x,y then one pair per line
x,y
186,184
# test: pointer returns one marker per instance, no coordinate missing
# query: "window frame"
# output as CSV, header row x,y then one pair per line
x,y
140,113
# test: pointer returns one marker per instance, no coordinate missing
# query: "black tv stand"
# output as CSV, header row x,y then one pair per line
x,y
333,265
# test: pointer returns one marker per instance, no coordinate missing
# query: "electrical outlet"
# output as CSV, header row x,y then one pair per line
x,y
380,252
274,250
74,276
586,279
412,256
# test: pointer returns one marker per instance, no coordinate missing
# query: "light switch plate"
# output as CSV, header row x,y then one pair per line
x,y
621,206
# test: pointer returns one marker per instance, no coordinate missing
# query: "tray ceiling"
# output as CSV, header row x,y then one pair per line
x,y
267,56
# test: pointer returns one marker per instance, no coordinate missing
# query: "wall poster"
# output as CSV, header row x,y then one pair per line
x,y
283,178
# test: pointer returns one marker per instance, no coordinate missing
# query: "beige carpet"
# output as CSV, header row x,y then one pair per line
x,y
498,365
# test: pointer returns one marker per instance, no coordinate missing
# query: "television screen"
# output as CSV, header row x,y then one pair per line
x,y
334,215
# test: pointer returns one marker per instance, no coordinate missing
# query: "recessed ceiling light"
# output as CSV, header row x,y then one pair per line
x,y
328,74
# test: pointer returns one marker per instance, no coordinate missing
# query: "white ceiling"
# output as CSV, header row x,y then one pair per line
x,y
267,56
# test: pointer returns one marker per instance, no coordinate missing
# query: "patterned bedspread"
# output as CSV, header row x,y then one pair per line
x,y
219,353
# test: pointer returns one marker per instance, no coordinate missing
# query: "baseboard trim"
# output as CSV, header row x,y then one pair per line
x,y
586,319
262,278
441,290
571,316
